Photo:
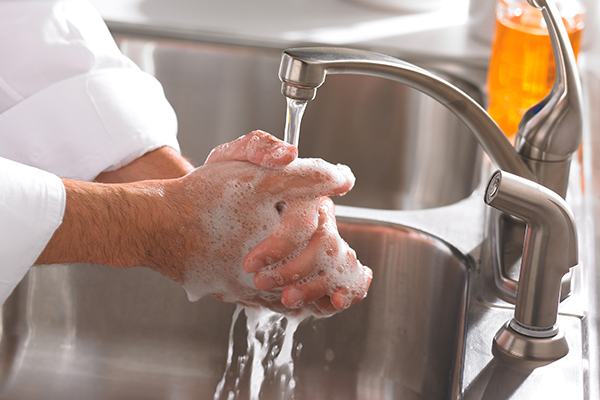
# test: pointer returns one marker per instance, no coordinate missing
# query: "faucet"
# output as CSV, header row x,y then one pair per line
x,y
549,134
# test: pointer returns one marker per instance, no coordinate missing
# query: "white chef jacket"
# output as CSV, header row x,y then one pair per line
x,y
71,106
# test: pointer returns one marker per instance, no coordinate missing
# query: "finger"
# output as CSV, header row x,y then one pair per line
x,y
304,263
315,290
343,298
307,177
297,296
298,224
258,147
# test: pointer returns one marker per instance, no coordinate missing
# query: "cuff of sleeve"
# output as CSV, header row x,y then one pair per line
x,y
90,123
32,208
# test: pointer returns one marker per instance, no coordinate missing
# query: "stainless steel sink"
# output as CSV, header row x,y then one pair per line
x,y
406,150
92,332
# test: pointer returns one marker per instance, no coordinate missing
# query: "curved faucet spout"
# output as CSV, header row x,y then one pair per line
x,y
303,70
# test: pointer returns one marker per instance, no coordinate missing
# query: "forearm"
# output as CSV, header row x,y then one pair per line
x,y
105,224
119,224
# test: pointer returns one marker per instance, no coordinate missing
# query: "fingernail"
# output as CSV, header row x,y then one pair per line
x,y
294,298
264,282
278,155
347,303
253,265
279,150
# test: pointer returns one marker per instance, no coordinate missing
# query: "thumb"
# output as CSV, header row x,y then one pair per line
x,y
307,177
257,147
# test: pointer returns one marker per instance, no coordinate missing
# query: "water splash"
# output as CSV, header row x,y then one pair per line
x,y
293,118
267,368
221,385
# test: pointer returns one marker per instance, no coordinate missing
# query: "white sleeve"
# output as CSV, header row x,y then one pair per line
x,y
70,102
32,204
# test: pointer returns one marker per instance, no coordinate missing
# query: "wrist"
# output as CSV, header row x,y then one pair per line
x,y
164,222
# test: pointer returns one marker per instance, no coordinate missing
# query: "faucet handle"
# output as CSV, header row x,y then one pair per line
x,y
551,130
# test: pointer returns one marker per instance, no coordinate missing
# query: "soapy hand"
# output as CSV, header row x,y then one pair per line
x,y
268,215
324,275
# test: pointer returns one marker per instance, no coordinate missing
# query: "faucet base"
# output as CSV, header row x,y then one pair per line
x,y
526,351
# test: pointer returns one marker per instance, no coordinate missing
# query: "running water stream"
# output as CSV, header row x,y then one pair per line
x,y
295,111
266,369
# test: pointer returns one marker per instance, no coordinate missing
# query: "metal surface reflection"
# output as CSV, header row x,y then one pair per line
x,y
137,336
400,143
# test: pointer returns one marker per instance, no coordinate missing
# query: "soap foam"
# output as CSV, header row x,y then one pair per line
x,y
242,218
227,228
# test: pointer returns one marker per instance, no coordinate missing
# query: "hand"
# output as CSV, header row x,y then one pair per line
x,y
225,209
324,277
307,278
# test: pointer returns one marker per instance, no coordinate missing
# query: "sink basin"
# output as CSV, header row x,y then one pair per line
x,y
93,332
406,150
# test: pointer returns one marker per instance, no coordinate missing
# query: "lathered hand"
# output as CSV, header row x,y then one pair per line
x,y
303,262
324,276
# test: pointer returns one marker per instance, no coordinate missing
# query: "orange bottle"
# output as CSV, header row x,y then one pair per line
x,y
522,71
